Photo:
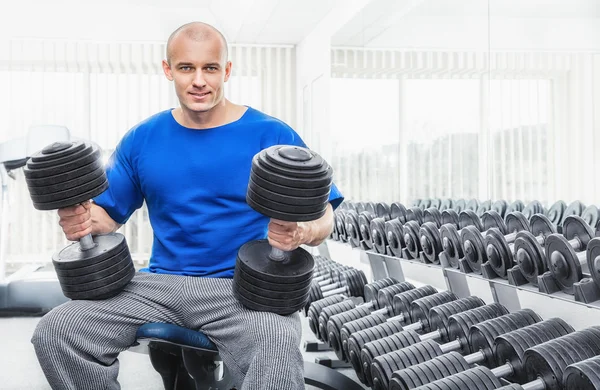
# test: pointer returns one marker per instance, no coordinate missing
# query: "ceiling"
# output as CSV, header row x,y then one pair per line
x,y
393,23
242,21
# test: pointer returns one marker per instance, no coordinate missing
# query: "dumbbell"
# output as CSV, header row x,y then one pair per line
x,y
315,308
394,229
556,211
430,237
544,364
472,241
591,215
410,231
351,282
529,251
436,321
66,174
500,247
287,183
567,255
364,226
459,205
484,207
452,325
534,207
501,207
575,208
446,204
320,324
383,210
481,337
583,375
509,350
451,236
382,366
517,205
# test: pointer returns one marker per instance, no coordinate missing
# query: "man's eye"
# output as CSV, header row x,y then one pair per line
x,y
212,68
185,68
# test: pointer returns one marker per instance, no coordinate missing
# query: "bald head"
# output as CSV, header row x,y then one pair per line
x,y
197,31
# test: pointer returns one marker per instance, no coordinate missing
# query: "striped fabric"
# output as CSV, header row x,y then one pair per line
x,y
77,343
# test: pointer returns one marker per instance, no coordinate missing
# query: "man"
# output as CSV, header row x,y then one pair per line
x,y
191,166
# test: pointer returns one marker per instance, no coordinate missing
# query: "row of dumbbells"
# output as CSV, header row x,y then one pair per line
x,y
527,247
407,338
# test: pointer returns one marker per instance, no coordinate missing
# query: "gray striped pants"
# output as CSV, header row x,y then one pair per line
x,y
77,343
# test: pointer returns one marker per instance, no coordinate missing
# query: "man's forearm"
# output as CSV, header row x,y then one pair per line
x,y
320,229
102,223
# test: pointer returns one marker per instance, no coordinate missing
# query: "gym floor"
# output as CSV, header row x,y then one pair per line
x,y
19,368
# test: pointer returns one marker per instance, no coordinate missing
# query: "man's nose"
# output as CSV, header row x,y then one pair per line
x,y
199,80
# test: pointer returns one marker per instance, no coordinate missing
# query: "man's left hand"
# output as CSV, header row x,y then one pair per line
x,y
288,236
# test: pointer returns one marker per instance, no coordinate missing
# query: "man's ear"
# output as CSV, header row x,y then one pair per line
x,y
167,70
227,70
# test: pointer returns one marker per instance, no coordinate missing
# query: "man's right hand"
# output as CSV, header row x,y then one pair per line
x,y
76,221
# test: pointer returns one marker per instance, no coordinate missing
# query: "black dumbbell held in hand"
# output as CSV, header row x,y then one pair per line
x,y
65,174
287,183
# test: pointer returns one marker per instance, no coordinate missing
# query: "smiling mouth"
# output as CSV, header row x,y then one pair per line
x,y
199,95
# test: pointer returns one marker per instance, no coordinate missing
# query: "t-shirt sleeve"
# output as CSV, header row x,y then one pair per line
x,y
289,137
124,194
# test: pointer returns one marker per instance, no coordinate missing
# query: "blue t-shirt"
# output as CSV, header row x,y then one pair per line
x,y
194,183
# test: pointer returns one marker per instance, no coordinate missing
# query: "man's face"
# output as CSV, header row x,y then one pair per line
x,y
199,71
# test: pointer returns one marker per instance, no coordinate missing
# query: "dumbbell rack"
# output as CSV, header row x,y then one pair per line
x,y
463,284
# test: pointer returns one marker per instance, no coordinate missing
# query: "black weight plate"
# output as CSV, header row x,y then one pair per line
x,y
491,219
65,185
541,225
433,215
253,258
266,172
360,207
430,242
517,205
95,272
414,214
68,166
500,206
370,207
425,204
395,237
401,302
297,159
299,200
282,216
79,151
291,191
499,254
416,202
484,207
271,302
364,224
593,259
469,218
106,246
583,375
397,210
563,262
70,193
352,228
103,292
93,267
460,205
73,200
472,205
66,176
57,150
378,234
260,290
591,215
575,208
252,305
446,204
530,256
450,216
437,203
411,239
574,226
285,208
382,210
516,221
473,247
451,244
531,209
556,211
98,283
